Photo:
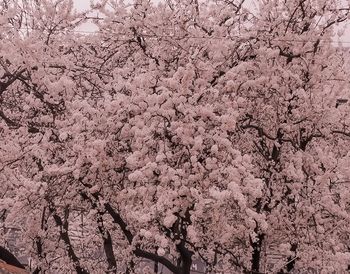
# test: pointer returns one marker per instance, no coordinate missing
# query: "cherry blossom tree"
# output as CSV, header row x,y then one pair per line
x,y
133,138
291,94
180,130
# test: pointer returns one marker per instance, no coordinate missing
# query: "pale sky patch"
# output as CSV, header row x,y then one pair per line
x,y
84,5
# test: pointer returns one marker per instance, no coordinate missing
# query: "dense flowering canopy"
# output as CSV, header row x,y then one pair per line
x,y
180,130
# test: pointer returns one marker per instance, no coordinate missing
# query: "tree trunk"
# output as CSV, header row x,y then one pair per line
x,y
185,258
186,266
256,256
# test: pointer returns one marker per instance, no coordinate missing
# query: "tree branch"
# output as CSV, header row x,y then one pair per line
x,y
63,225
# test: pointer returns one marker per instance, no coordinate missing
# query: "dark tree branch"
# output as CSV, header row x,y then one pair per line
x,y
156,258
9,258
341,132
106,236
63,225
8,121
118,220
129,236
10,81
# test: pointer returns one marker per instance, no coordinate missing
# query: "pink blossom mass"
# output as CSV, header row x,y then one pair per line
x,y
174,136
